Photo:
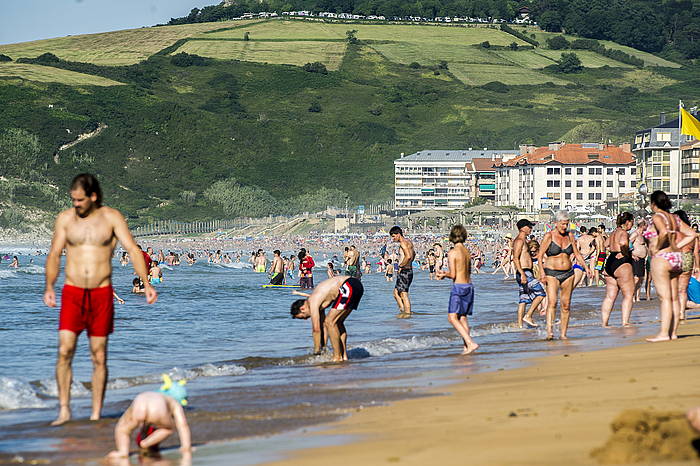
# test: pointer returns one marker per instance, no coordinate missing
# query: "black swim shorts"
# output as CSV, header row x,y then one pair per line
x,y
349,295
404,280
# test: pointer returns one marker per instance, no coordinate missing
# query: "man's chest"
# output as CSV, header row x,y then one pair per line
x,y
89,232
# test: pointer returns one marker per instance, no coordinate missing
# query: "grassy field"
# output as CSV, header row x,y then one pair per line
x,y
525,58
115,48
588,59
408,52
419,34
48,74
477,75
280,53
649,59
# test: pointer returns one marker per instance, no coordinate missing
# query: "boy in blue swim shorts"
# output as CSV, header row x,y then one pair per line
x,y
462,294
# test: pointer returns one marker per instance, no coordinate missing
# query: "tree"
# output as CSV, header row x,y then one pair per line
x,y
550,21
351,37
569,63
558,43
315,67
4,58
513,46
315,107
246,36
19,153
486,44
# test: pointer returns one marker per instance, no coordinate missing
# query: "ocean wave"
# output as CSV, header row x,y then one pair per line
x,y
48,387
177,373
15,394
237,265
7,274
31,269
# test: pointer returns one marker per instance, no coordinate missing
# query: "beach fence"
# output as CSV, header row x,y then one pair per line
x,y
172,227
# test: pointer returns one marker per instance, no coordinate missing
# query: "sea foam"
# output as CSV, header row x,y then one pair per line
x,y
15,394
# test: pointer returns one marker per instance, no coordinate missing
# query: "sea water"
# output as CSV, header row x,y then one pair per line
x,y
243,354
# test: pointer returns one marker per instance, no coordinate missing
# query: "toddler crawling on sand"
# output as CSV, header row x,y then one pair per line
x,y
156,415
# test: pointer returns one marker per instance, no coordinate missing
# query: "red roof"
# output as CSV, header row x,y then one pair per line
x,y
484,164
573,154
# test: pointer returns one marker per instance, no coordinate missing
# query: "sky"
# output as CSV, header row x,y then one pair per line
x,y
25,20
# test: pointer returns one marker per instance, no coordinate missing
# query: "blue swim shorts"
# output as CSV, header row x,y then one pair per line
x,y
533,289
461,299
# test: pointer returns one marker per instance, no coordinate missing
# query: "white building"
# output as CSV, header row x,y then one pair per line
x,y
444,179
565,176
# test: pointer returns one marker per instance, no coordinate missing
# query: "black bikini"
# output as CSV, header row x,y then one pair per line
x,y
554,250
613,263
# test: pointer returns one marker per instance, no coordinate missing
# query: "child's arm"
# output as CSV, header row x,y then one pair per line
x,y
183,429
124,427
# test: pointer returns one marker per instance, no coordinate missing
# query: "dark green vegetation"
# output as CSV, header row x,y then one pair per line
x,y
192,138
671,26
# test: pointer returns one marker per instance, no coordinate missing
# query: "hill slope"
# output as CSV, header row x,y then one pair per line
x,y
180,129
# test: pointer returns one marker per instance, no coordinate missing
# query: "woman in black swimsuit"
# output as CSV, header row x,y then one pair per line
x,y
619,275
558,245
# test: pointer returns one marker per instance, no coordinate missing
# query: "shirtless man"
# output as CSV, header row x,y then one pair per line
x,y
352,261
276,269
462,294
343,295
600,254
156,415
430,259
405,275
530,289
586,244
89,232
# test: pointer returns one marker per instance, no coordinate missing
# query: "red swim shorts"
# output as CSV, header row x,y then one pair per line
x,y
87,308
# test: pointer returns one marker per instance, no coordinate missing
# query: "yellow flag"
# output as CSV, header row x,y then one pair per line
x,y
689,124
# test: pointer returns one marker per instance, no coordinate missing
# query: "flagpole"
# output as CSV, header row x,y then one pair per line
x,y
680,154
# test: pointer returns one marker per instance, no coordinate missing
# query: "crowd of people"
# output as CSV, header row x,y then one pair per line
x,y
546,269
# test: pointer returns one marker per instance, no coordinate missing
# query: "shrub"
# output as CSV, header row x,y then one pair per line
x,y
558,43
315,67
351,37
11,218
377,110
415,65
442,65
486,44
4,58
315,107
183,59
519,35
569,63
246,36
188,197
496,86
513,46
47,58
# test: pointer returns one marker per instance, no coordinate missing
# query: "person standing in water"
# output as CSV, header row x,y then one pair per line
x,y
89,233
559,245
619,275
530,289
462,295
276,270
405,272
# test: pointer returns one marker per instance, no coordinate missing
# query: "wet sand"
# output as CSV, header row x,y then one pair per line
x,y
556,411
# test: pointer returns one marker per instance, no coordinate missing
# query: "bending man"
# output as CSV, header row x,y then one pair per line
x,y
343,295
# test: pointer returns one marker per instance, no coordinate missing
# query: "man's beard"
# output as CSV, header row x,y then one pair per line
x,y
82,213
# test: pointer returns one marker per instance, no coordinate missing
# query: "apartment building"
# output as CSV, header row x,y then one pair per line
x,y
576,177
445,179
658,157
690,170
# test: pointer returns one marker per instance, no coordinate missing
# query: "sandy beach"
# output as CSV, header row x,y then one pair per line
x,y
555,411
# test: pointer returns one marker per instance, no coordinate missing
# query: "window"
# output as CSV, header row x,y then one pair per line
x,y
579,196
567,183
595,184
608,195
638,139
609,183
553,170
663,136
591,183
567,196
622,184
656,170
609,171
666,170
591,196
553,183
591,171
593,156
633,171
622,171
579,183
598,196
633,184
567,171
579,171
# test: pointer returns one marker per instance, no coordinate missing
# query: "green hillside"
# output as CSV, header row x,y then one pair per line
x,y
247,131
